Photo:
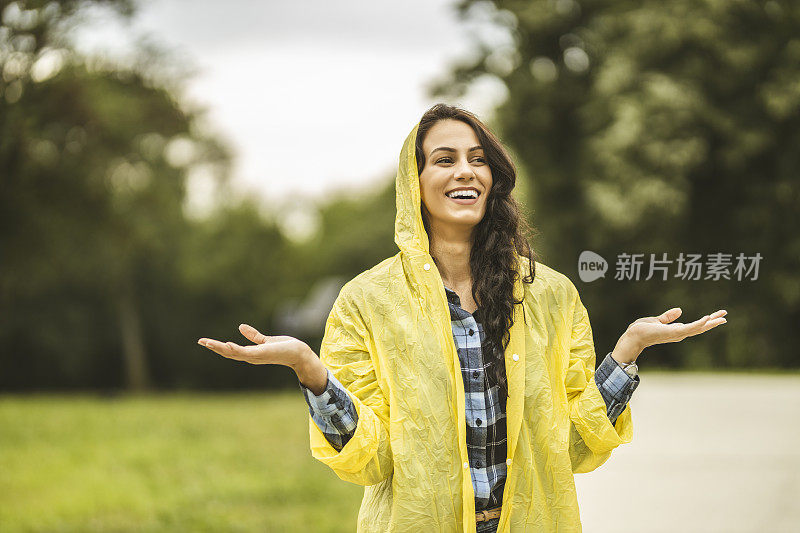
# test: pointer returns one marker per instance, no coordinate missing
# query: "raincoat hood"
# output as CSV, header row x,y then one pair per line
x,y
409,231
388,340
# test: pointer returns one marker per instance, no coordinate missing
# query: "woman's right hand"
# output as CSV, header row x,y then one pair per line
x,y
278,350
274,350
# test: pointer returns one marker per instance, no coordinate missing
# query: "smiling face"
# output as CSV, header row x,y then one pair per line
x,y
456,179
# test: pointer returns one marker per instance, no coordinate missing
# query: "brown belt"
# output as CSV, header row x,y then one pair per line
x,y
487,514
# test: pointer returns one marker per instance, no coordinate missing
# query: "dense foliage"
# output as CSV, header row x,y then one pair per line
x,y
659,128
638,127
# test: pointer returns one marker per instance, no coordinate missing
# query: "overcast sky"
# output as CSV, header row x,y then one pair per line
x,y
312,95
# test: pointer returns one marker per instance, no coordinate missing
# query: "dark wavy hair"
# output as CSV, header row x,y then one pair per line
x,y
497,239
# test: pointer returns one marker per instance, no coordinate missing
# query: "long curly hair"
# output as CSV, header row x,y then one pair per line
x,y
497,239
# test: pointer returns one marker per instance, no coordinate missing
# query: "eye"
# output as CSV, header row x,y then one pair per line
x,y
481,159
443,158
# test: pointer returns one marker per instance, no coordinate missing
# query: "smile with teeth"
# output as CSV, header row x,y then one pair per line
x,y
466,194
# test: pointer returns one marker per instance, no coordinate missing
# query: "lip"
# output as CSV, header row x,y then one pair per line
x,y
464,201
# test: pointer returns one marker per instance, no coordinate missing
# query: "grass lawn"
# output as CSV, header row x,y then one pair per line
x,y
173,462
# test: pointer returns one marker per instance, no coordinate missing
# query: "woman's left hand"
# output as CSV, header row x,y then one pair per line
x,y
652,330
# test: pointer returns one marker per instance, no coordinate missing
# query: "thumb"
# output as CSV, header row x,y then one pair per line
x,y
670,315
252,334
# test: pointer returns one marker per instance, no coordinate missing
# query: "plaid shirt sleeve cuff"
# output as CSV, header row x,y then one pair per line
x,y
332,411
615,385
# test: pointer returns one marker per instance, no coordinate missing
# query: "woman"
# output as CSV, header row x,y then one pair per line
x,y
456,380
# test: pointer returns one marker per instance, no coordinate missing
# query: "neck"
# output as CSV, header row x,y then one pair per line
x,y
451,251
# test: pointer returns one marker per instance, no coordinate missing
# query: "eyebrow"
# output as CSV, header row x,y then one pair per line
x,y
448,149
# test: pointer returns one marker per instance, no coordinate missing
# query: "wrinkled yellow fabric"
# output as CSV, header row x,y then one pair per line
x,y
389,341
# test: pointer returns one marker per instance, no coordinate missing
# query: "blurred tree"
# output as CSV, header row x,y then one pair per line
x,y
94,161
235,266
356,231
100,253
659,127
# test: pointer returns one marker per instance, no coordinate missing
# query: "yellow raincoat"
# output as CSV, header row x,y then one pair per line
x,y
389,341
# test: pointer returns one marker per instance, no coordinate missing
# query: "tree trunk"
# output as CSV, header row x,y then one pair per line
x,y
133,352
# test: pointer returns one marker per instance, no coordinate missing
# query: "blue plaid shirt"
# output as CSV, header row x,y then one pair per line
x,y
335,415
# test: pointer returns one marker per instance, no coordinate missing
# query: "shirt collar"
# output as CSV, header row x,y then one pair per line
x,y
453,298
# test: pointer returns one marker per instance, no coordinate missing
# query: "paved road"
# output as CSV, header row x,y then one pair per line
x,y
710,453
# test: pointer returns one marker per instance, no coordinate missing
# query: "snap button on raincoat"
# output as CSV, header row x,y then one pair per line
x,y
389,341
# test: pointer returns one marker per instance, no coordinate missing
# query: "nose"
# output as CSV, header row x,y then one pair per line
x,y
463,171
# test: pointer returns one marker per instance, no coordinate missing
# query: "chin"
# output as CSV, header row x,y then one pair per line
x,y
466,221
460,219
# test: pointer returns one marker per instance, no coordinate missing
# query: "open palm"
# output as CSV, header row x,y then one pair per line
x,y
660,329
276,350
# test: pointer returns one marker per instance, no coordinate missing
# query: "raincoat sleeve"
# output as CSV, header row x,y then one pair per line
x,y
366,458
592,435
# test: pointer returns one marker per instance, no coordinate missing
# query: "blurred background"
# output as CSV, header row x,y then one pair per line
x,y
171,169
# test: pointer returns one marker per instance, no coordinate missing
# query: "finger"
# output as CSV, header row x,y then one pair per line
x,y
236,351
668,316
708,319
692,328
207,343
216,346
706,323
222,348
711,324
252,334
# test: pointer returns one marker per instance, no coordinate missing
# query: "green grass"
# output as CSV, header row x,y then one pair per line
x,y
178,462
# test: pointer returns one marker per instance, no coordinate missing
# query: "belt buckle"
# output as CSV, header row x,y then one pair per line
x,y
483,516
